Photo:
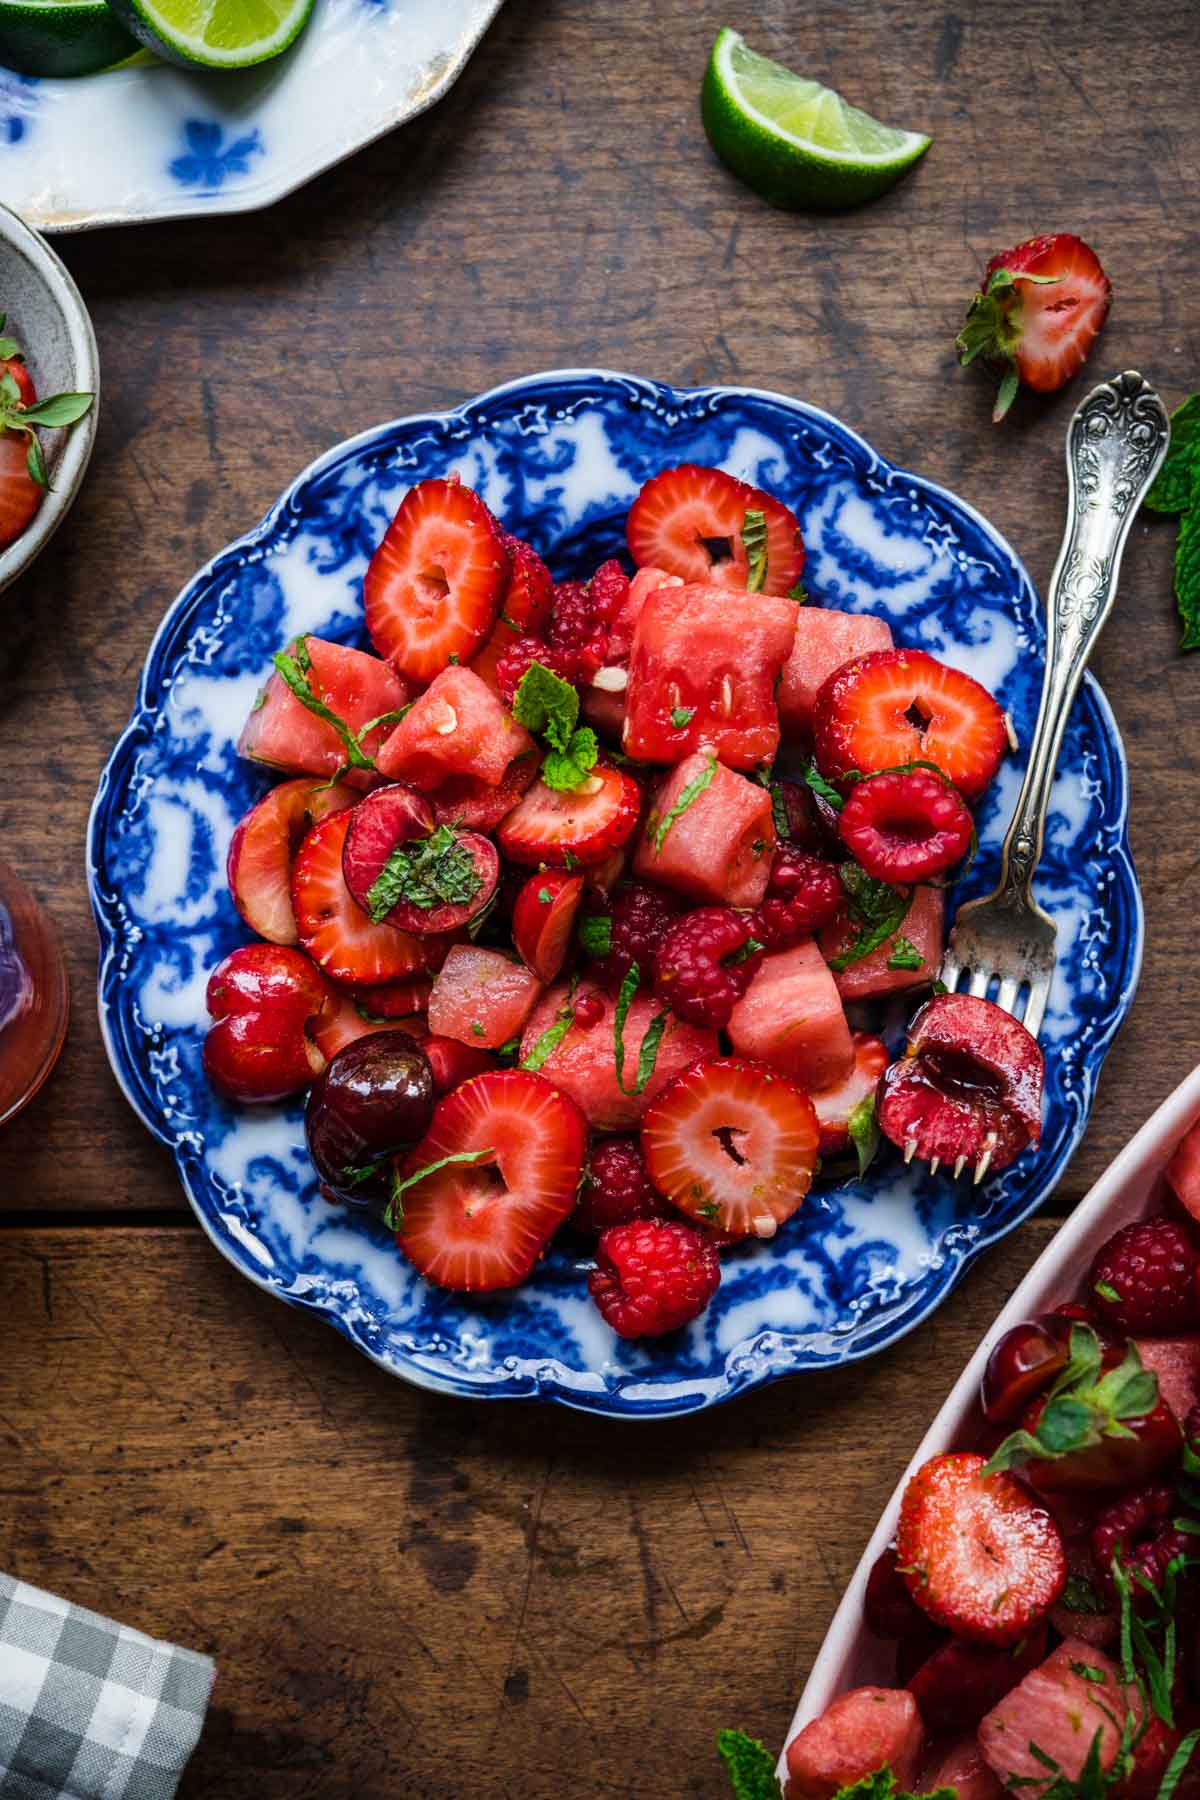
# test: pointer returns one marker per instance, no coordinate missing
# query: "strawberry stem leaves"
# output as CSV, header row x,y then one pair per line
x,y
1084,1407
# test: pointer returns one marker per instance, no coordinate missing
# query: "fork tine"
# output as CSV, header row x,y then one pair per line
x,y
1039,993
1006,999
979,983
950,971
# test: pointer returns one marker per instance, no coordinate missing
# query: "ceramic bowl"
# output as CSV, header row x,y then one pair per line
x,y
47,316
851,1656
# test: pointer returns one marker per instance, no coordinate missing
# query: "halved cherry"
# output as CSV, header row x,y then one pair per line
x,y
542,920
405,870
1023,1362
387,819
259,864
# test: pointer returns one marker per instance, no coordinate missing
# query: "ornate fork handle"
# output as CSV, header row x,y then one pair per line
x,y
1115,446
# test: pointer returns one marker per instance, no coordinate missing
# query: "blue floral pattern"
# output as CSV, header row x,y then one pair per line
x,y
559,457
18,103
210,159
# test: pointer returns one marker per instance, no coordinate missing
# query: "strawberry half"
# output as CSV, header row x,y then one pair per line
x,y
332,926
20,494
1037,314
980,1554
477,1225
562,829
434,586
732,1144
900,706
690,521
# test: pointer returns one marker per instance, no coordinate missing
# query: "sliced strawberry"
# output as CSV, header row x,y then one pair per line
x,y
17,367
834,1105
900,706
343,1023
453,1062
333,928
732,1144
690,521
1037,314
476,1226
434,586
542,920
259,864
20,494
478,805
530,591
981,1555
580,827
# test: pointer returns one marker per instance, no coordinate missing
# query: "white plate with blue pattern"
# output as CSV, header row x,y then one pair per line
x,y
559,457
143,143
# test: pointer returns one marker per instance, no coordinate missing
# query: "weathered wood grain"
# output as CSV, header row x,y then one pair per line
x,y
409,1596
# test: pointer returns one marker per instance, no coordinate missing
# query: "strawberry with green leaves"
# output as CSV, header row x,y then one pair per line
x,y
1036,315
24,478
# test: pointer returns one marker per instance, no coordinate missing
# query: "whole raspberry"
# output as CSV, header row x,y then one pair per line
x,y
905,826
617,1189
652,1276
638,916
803,893
514,663
608,590
1147,1278
530,591
1141,1530
577,635
703,968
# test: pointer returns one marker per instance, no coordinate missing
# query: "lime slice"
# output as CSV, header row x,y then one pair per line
x,y
214,34
60,37
793,141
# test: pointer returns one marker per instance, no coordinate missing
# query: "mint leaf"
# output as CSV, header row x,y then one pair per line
x,y
779,812
798,592
427,872
648,1054
1173,1774
863,1127
1108,1292
905,955
394,1215
754,537
550,1039
1080,1596
595,934
566,769
750,948
681,716
1187,570
691,792
545,703
817,782
1172,489
749,1765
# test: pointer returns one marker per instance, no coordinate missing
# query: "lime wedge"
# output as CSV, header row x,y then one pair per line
x,y
60,37
793,141
214,34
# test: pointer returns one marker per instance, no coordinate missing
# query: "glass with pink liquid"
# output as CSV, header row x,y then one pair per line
x,y
35,998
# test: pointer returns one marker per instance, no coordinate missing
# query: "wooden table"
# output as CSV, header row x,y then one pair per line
x,y
410,1597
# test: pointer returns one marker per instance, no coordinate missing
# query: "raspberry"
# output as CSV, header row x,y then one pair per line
x,y
608,590
1146,1278
652,1276
515,661
577,635
530,591
618,1189
905,827
697,973
639,915
803,893
1140,1529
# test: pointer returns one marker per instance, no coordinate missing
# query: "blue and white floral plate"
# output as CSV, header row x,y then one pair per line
x,y
559,457
142,143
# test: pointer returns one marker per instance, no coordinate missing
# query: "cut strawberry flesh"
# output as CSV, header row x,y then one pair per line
x,y
333,928
690,521
20,494
458,727
344,1024
834,1104
434,586
582,826
732,1144
259,865
900,706
543,919
960,1682
475,1227
283,734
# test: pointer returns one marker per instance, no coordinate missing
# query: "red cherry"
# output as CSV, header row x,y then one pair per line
x,y
542,919
1023,1362
267,977
263,998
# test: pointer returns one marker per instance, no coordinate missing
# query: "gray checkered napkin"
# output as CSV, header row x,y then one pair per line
x,y
90,1710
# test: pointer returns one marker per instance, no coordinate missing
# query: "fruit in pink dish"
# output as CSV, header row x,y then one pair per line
x,y
1183,1173
865,1729
968,1089
263,999
282,733
702,673
791,1017
481,997
259,865
709,835
1054,1715
823,641
960,1766
1022,1363
582,1060
1147,1278
908,959
458,726
960,1681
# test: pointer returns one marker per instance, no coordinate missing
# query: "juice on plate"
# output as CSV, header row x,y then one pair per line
x,y
34,994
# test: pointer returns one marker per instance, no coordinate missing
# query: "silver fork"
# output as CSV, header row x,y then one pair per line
x,y
1116,442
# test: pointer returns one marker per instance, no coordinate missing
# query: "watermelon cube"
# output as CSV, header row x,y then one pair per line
x,y
791,1017
584,1062
924,928
457,727
960,1765
1176,1362
719,849
282,733
865,1729
620,637
823,641
481,997
1183,1172
702,674
1057,1710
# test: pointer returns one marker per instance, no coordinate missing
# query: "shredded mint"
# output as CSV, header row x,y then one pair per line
x,y
435,871
798,592
648,1054
750,948
879,907
863,1126
905,955
681,716
1107,1292
354,1174
394,1215
779,812
551,1038
691,792
824,789
595,934
754,537
1080,1596
1176,490
296,671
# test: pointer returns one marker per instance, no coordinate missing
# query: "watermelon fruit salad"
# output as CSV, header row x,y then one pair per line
x,y
577,902
1041,1598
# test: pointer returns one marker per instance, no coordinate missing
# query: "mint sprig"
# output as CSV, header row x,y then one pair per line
x,y
879,908
57,412
546,704
1176,492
